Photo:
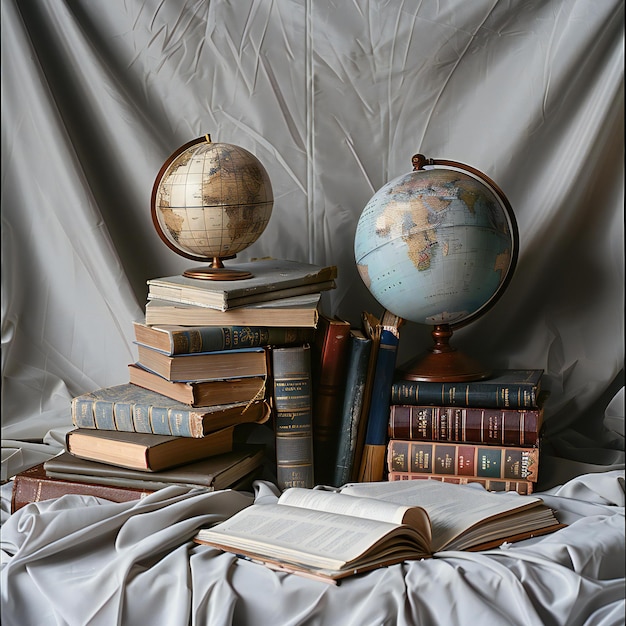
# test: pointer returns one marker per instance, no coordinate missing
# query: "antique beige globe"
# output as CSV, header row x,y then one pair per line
x,y
210,201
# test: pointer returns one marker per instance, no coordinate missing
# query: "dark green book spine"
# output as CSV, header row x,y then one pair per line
x,y
216,338
292,395
356,377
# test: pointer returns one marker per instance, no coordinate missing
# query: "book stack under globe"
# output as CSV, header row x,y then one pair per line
x,y
201,384
485,432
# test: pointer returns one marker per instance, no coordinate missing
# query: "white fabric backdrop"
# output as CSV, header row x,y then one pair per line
x,y
334,98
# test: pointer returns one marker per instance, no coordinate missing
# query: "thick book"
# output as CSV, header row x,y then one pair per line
x,y
505,389
217,472
333,535
145,451
502,462
204,365
271,279
292,396
373,459
300,311
329,356
130,408
359,351
173,339
198,393
510,427
523,487
34,485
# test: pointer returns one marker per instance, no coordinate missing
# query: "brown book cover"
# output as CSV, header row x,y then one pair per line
x,y
302,311
201,392
523,487
204,365
34,485
146,451
496,462
329,357
509,427
216,472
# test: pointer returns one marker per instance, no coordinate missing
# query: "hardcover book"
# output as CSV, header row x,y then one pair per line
x,y
511,427
172,339
271,279
505,389
217,472
523,487
499,462
315,533
199,393
34,485
300,311
359,352
293,420
329,355
204,365
144,451
130,408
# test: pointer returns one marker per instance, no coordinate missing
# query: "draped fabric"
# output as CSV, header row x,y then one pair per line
x,y
333,98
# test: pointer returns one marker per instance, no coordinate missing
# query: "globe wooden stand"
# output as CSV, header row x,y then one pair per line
x,y
443,363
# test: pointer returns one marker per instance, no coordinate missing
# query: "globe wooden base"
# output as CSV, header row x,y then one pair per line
x,y
217,271
443,363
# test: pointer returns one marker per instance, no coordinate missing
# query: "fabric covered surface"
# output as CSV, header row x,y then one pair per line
x,y
333,98
135,563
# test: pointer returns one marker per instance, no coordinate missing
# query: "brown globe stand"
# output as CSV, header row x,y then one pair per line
x,y
217,271
443,363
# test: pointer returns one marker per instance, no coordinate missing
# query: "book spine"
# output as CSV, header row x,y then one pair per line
x,y
353,402
523,487
474,394
292,397
28,489
373,461
214,338
329,357
496,462
135,417
507,427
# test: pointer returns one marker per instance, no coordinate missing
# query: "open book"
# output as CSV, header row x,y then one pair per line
x,y
332,535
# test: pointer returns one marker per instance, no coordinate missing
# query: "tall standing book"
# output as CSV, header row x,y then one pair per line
x,y
173,339
373,459
204,365
512,427
302,311
271,279
198,393
354,399
129,408
500,462
144,451
505,389
217,472
293,420
314,533
328,362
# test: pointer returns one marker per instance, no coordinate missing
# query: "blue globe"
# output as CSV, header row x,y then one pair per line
x,y
436,246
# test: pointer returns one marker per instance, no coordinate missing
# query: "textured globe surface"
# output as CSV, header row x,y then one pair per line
x,y
434,246
212,200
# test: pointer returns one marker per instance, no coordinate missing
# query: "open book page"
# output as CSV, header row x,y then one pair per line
x,y
313,539
454,509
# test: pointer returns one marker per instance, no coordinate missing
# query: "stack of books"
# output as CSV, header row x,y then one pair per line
x,y
485,432
203,371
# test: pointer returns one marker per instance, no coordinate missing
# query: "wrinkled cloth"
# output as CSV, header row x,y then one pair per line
x,y
78,560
